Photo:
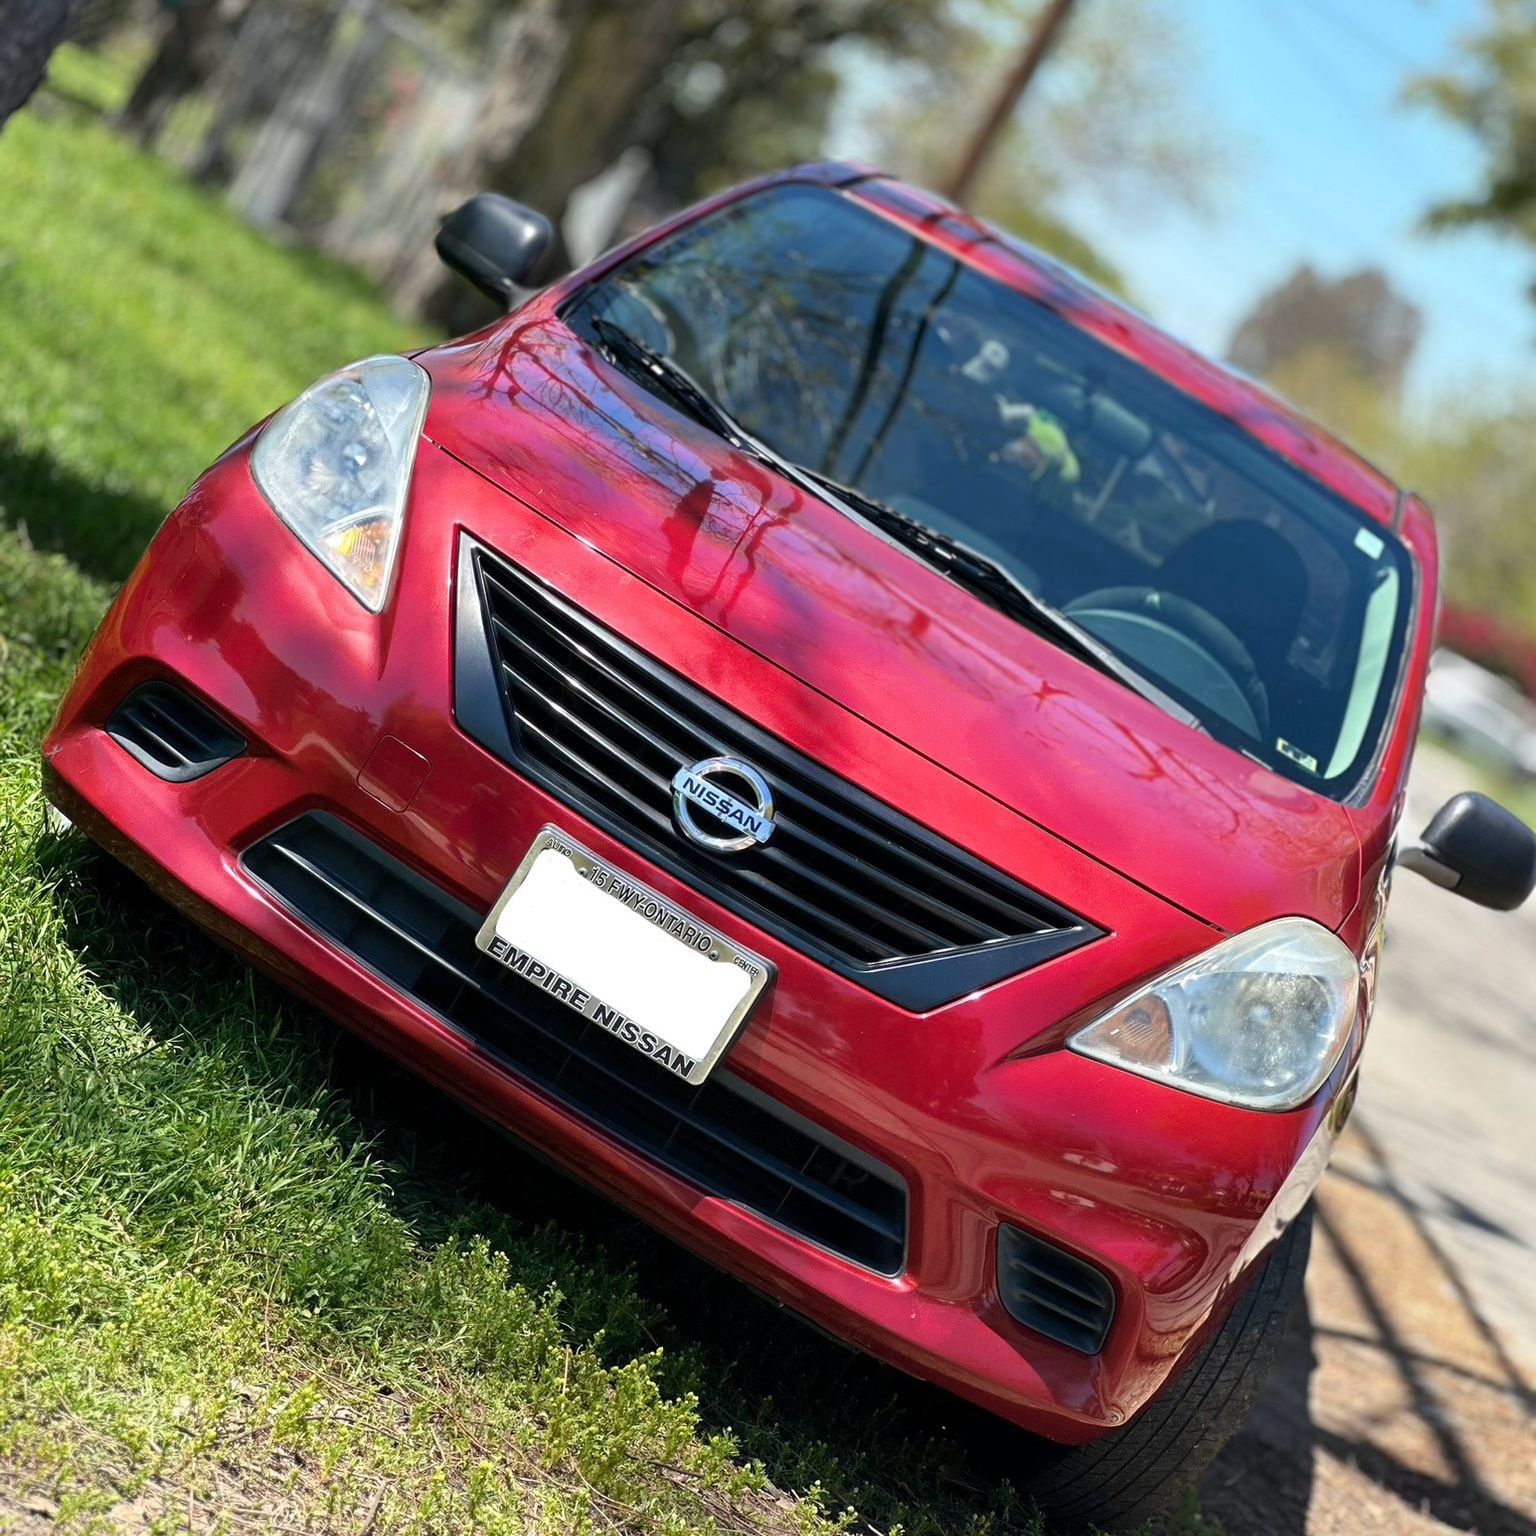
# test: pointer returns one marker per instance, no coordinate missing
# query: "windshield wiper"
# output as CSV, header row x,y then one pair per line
x,y
680,386
694,400
952,557
991,579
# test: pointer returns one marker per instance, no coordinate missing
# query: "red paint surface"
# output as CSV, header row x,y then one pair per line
x,y
393,773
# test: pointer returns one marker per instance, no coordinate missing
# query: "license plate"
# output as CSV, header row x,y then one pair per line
x,y
624,957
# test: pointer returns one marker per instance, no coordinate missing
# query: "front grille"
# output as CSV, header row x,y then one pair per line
x,y
844,878
723,1136
1054,1292
168,732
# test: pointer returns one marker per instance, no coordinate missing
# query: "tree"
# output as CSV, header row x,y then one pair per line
x,y
193,37
750,88
1359,321
1493,97
713,89
1477,467
30,30
569,78
1106,112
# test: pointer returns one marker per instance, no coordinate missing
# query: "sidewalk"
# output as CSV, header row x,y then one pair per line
x,y
1405,1401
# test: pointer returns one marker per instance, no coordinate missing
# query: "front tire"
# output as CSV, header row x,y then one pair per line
x,y
1120,1480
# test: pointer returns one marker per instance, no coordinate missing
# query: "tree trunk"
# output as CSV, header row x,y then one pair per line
x,y
260,54
528,58
185,57
615,58
571,78
101,20
30,30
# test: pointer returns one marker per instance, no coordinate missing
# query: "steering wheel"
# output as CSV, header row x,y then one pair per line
x,y
1183,643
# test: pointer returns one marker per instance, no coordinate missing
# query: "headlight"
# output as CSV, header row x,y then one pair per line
x,y
336,466
1259,1020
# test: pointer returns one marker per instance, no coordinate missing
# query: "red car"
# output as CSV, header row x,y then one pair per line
x,y
851,741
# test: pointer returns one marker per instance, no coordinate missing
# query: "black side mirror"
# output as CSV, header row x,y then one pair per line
x,y
1479,850
495,243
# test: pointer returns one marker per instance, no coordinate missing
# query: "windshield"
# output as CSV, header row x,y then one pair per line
x,y
1251,594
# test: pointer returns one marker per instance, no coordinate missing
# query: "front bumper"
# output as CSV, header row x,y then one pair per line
x,y
974,1105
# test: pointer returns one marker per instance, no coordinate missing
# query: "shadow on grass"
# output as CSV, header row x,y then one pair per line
x,y
101,530
807,1407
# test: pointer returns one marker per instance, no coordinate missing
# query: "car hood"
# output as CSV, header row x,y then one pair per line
x,y
541,414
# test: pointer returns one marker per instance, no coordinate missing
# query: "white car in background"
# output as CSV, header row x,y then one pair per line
x,y
1482,713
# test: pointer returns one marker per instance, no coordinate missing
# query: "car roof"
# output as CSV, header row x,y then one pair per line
x,y
1004,256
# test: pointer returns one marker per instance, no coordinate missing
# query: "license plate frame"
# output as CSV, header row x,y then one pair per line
x,y
676,1046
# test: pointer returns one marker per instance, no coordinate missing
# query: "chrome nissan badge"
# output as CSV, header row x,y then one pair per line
x,y
723,804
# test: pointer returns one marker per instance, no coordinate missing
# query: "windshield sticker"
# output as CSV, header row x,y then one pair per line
x,y
1369,543
1295,754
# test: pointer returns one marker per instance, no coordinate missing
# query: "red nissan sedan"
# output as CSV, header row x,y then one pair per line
x,y
852,742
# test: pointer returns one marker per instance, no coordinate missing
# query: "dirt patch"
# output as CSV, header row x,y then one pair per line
x,y
1391,1409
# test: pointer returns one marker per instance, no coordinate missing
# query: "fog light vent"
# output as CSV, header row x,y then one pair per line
x,y
1053,1292
171,734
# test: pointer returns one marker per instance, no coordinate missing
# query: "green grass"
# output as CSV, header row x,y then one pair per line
x,y
250,1276
144,329
99,80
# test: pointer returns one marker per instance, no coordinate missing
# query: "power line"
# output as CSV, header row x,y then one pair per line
x,y
1302,47
1293,213
1367,37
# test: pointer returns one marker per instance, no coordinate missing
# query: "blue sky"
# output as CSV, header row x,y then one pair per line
x,y
1327,165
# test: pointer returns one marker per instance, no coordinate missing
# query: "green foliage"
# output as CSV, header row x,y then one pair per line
x,y
144,328
1108,109
752,88
1475,462
99,79
1493,97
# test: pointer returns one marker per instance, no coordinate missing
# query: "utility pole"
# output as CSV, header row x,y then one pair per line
x,y
1037,45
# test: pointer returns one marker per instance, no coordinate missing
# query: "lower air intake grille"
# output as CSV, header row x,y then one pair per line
x,y
1054,1292
171,734
723,1135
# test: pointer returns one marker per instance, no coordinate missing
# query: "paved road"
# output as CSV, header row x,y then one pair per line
x,y
1404,1402
1449,1084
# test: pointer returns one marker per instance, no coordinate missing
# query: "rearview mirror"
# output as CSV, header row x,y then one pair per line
x,y
1479,850
495,243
